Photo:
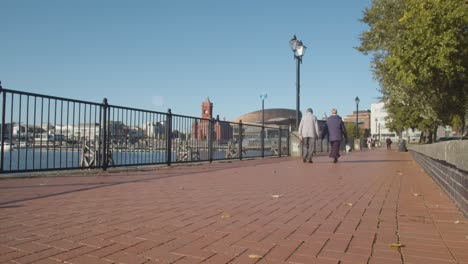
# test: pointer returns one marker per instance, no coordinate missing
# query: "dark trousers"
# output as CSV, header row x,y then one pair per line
x,y
335,149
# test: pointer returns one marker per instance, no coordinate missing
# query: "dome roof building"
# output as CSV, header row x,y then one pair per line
x,y
275,116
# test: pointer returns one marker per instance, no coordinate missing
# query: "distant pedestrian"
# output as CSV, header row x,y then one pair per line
x,y
308,132
369,142
389,143
335,130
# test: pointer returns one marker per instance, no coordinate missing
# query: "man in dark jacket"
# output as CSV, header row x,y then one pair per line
x,y
335,129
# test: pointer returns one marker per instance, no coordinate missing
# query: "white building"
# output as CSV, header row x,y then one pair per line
x,y
87,131
154,129
379,128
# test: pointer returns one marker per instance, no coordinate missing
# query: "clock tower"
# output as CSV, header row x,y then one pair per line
x,y
201,128
207,109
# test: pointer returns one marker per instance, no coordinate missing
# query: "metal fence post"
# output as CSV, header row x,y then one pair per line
x,y
104,146
279,142
3,126
169,137
240,139
289,143
263,141
210,140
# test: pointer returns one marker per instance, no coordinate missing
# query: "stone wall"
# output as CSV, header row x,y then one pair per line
x,y
322,146
447,164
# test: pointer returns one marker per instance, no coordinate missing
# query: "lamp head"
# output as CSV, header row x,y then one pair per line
x,y
293,43
297,47
300,50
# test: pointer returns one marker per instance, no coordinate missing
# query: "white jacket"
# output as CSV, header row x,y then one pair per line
x,y
309,126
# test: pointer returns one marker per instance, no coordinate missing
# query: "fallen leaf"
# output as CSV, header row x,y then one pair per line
x,y
397,245
225,215
349,204
253,256
456,222
276,195
400,173
416,194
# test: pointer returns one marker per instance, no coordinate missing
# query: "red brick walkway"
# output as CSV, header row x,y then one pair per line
x,y
256,211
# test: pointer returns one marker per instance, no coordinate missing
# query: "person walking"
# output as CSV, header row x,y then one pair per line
x,y
335,130
389,143
308,132
369,143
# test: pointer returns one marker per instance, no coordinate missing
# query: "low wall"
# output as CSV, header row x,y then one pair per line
x,y
294,144
322,146
447,164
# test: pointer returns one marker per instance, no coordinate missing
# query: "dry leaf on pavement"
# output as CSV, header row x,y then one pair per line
x,y
225,215
397,245
253,256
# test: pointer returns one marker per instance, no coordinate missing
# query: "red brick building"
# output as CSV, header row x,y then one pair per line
x,y
364,120
200,129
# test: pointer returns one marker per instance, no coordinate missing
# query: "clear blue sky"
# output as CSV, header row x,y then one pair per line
x,y
172,54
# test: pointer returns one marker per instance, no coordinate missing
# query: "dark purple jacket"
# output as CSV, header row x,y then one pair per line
x,y
335,128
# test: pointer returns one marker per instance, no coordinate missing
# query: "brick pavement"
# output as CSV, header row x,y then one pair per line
x,y
275,210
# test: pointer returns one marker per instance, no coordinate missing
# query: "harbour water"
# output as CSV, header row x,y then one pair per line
x,y
37,159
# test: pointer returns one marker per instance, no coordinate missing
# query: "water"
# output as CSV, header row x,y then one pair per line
x,y
37,159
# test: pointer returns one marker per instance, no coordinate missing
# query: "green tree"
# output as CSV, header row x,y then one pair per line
x,y
420,58
351,130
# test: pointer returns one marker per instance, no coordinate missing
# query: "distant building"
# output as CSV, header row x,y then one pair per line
x,y
364,120
200,128
379,126
276,116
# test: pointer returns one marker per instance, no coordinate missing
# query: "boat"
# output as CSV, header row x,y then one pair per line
x,y
7,146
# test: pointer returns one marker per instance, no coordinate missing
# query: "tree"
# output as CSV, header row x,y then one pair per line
x,y
351,130
420,58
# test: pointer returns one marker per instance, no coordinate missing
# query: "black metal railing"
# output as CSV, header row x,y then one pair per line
x,y
41,132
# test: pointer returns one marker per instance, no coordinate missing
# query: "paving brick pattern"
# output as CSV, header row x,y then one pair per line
x,y
273,210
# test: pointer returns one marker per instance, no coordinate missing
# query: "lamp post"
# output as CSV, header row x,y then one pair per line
x,y
357,116
376,127
379,131
298,49
263,97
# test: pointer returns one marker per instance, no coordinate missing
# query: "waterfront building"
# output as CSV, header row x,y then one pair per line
x,y
222,131
380,130
275,117
15,130
364,120
87,131
154,129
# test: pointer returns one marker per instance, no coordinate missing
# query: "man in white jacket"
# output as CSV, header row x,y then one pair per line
x,y
308,132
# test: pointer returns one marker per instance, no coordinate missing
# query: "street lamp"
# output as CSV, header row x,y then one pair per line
x,y
357,116
263,97
379,132
376,127
298,49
